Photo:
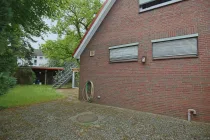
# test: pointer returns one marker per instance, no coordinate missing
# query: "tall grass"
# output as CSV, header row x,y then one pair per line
x,y
26,95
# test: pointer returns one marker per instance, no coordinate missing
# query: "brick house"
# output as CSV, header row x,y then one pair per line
x,y
151,56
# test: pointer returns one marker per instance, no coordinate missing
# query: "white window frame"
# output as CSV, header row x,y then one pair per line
x,y
159,5
173,39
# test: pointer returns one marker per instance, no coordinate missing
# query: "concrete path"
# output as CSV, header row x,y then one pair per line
x,y
69,119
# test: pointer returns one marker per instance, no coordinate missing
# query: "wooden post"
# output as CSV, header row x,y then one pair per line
x,y
73,80
45,77
74,70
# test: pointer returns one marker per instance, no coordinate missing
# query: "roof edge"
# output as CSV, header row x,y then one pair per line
x,y
93,27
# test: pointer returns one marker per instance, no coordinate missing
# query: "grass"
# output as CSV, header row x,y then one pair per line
x,y
26,95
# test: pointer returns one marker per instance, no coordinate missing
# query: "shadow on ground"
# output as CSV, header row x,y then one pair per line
x,y
73,120
2,108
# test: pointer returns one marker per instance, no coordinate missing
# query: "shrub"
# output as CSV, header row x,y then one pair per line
x,y
8,64
6,82
25,76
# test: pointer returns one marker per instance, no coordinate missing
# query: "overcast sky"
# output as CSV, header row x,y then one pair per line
x,y
49,36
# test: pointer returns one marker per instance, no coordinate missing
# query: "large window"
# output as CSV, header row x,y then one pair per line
x,y
181,46
146,5
124,53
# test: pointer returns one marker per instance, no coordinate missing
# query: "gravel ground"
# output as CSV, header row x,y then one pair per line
x,y
56,120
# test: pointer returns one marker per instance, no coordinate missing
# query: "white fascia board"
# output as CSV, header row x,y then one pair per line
x,y
94,28
175,38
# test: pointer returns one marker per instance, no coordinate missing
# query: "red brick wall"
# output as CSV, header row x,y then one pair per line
x,y
169,87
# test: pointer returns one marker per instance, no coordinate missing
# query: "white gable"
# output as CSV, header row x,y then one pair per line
x,y
108,5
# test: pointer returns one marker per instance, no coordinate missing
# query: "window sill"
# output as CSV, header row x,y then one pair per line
x,y
159,5
175,57
124,61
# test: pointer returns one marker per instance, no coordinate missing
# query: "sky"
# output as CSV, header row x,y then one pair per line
x,y
48,36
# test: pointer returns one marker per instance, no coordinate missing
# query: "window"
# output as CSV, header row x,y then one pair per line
x,y
123,53
35,62
40,57
146,5
175,47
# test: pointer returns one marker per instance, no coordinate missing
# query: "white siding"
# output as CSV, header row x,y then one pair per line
x,y
40,62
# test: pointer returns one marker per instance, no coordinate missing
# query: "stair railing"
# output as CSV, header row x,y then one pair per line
x,y
62,77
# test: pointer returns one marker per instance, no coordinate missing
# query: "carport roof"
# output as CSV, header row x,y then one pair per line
x,y
47,68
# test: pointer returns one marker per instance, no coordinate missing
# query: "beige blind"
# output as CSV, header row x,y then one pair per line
x,y
145,1
173,48
121,54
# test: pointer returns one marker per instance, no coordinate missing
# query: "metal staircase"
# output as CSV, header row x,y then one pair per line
x,y
63,77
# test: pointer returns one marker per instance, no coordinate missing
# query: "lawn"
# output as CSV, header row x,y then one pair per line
x,y
26,95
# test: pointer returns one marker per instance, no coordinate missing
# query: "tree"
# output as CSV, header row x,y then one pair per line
x,y
61,49
73,21
8,64
20,20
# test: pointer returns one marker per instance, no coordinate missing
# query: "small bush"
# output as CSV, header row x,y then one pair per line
x,y
25,76
6,82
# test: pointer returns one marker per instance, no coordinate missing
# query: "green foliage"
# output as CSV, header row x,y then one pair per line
x,y
6,82
25,76
76,15
55,63
26,95
20,20
73,21
8,62
7,67
61,49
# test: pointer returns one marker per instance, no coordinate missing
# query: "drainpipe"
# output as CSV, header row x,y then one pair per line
x,y
189,113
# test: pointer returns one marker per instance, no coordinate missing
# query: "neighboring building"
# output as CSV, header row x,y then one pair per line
x,y
38,59
44,74
22,62
163,47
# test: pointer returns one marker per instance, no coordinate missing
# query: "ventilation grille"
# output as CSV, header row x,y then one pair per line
x,y
92,53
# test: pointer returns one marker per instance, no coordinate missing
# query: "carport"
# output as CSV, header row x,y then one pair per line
x,y
45,74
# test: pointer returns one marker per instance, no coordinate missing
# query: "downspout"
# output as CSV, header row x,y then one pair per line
x,y
189,113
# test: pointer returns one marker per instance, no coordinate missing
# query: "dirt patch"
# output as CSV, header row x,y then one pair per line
x,y
71,94
69,90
